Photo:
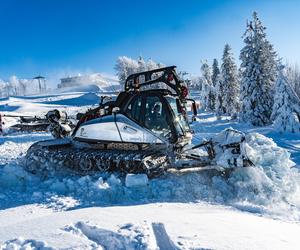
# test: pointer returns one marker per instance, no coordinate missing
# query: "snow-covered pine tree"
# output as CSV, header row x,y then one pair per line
x,y
208,90
293,76
258,75
220,109
206,72
215,72
230,83
286,105
219,90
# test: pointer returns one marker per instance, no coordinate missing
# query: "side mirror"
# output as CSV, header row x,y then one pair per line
x,y
115,110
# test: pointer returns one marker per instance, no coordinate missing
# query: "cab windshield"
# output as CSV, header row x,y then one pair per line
x,y
180,117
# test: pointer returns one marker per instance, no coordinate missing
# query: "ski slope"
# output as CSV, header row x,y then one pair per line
x,y
255,208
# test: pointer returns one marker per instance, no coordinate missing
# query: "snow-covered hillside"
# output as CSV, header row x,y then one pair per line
x,y
255,208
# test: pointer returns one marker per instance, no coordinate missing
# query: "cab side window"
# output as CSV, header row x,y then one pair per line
x,y
155,116
134,109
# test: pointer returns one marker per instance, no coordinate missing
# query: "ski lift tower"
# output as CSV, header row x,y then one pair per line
x,y
42,83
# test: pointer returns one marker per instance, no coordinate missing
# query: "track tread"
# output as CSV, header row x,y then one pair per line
x,y
85,160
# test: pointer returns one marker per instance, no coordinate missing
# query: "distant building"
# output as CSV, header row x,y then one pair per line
x,y
92,79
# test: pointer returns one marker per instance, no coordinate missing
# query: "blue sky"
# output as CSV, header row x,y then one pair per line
x,y
51,37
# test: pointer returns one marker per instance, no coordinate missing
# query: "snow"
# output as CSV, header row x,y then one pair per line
x,y
128,236
252,208
188,226
136,180
20,243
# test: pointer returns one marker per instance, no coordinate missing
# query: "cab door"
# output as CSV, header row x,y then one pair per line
x,y
129,123
148,111
157,117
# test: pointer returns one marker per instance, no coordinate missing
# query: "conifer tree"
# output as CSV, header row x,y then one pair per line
x,y
230,83
208,91
215,72
258,75
293,76
219,90
286,105
220,109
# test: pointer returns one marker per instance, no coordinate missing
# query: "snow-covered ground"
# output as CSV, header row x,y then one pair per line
x,y
255,208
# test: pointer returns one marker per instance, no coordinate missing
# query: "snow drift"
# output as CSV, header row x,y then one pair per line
x,y
271,187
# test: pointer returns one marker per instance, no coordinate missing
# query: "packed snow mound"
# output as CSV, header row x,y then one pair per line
x,y
16,145
128,236
271,187
136,180
20,243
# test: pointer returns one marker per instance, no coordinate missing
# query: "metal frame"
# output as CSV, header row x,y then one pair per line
x,y
132,82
